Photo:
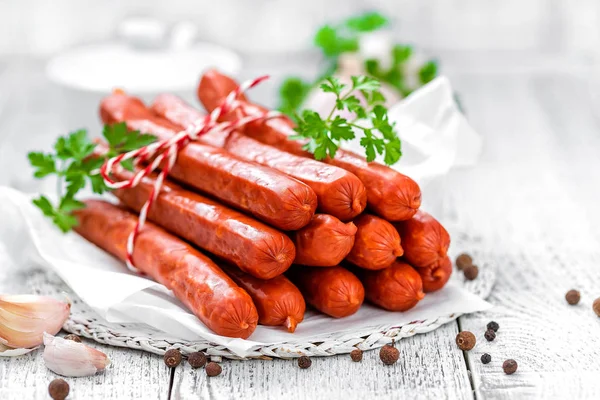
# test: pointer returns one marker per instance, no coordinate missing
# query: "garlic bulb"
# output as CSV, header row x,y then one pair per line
x,y
69,358
24,319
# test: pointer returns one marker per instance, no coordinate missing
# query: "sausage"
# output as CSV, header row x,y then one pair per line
x,y
436,275
254,247
324,242
390,194
396,288
278,301
269,195
177,111
377,243
339,192
334,291
195,280
424,239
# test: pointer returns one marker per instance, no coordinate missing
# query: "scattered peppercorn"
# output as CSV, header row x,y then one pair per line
x,y
464,260
213,369
465,340
471,272
573,296
493,325
509,366
58,389
490,335
486,358
172,358
356,355
304,362
389,354
596,306
72,337
197,359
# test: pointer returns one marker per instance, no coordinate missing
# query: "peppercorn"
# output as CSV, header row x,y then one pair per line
x,y
356,355
573,296
72,337
197,359
389,354
471,272
213,369
490,335
465,340
493,325
464,260
596,306
304,362
486,358
509,366
58,389
172,358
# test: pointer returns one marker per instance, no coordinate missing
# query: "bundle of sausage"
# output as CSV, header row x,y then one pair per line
x,y
256,203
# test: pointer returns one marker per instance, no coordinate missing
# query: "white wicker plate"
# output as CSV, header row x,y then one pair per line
x,y
85,322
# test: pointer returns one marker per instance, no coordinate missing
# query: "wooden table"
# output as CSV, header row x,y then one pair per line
x,y
532,203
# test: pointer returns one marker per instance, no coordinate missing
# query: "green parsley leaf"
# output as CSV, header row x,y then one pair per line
x,y
44,164
45,205
68,204
367,22
332,85
292,94
428,72
393,151
366,83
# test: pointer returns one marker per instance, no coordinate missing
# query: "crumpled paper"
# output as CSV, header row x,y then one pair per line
x,y
432,130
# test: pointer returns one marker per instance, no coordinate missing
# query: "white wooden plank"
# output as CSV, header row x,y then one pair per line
x,y
430,366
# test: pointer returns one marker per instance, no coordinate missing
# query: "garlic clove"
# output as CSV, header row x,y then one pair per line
x,y
10,352
24,319
69,358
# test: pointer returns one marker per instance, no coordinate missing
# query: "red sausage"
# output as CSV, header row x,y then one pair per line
x,y
269,195
278,301
424,240
390,194
397,288
195,280
377,243
253,246
324,242
334,291
436,275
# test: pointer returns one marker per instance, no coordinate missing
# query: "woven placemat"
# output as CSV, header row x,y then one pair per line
x,y
85,322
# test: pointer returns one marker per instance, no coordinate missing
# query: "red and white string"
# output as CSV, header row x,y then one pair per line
x,y
169,148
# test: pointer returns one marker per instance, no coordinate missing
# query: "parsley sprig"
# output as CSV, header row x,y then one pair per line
x,y
325,135
73,165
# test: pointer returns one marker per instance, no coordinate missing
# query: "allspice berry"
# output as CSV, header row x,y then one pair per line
x,y
486,358
493,325
596,306
464,260
356,355
213,369
471,272
58,389
509,366
304,362
72,337
573,296
197,359
389,354
172,358
465,340
490,335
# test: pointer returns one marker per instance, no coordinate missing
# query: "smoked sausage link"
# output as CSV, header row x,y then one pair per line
x,y
339,192
195,280
324,242
269,195
253,246
436,275
396,288
376,245
390,194
334,291
424,240
278,301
